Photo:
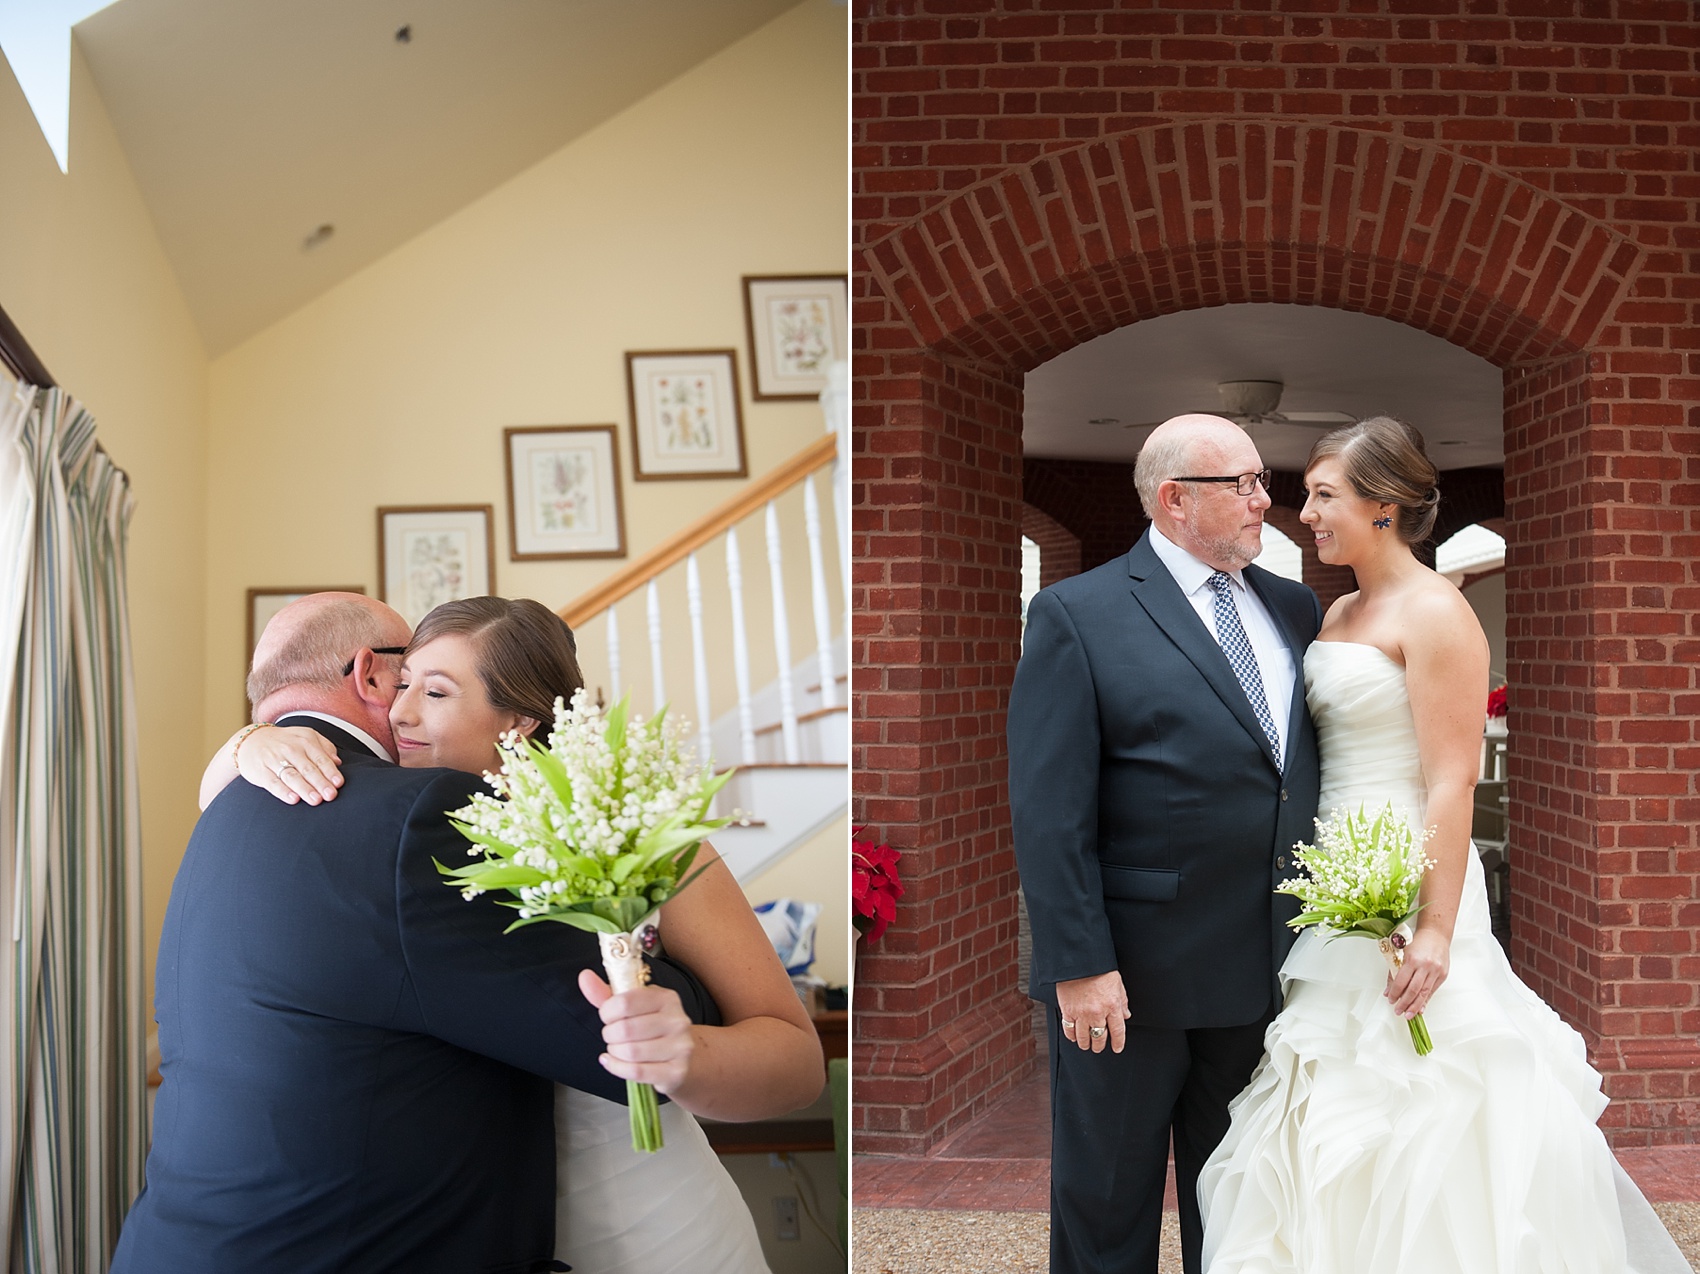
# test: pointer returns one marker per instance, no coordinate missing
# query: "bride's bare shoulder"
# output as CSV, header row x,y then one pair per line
x,y
1435,620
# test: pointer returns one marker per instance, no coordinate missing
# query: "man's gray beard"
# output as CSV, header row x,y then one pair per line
x,y
1211,549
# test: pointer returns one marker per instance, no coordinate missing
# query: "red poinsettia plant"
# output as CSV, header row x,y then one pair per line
x,y
874,886
1497,705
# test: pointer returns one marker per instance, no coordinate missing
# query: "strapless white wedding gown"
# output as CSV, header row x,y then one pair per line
x,y
1348,1153
619,1211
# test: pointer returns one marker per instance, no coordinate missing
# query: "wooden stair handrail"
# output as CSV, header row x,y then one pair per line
x,y
816,455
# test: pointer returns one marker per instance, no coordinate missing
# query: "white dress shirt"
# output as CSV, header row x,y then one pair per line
x,y
348,727
1274,659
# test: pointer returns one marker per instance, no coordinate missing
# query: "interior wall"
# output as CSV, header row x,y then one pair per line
x,y
83,276
394,387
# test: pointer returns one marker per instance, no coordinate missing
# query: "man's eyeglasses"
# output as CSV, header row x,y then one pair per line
x,y
1244,484
388,650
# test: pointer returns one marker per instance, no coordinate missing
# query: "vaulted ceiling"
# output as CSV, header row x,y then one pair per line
x,y
250,124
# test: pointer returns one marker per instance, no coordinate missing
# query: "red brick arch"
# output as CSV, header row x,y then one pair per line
x,y
1019,268
954,304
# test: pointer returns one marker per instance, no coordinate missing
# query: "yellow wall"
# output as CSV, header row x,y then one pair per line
x,y
84,278
394,387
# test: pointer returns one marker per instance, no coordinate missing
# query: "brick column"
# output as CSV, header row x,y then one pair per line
x,y
941,1024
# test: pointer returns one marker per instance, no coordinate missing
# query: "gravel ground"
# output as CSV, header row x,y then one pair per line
x,y
902,1241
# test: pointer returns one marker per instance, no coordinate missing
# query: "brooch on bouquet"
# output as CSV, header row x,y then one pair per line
x,y
1361,880
596,830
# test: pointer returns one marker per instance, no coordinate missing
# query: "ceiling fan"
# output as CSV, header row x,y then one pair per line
x,y
1253,403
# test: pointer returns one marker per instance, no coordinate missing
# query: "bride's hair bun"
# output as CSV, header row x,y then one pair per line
x,y
1385,460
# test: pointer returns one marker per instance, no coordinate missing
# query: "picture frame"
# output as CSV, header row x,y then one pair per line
x,y
434,553
686,416
797,326
263,603
563,492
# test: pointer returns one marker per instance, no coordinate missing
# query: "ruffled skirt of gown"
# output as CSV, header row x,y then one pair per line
x,y
620,1211
1349,1154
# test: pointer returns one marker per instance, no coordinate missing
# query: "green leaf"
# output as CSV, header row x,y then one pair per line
x,y
586,920
503,876
616,731
622,868
554,773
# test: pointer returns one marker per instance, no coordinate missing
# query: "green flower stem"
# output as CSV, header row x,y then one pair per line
x,y
646,1116
1419,1038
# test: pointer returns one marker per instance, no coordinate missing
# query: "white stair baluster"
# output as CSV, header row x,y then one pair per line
x,y
835,406
782,640
653,597
613,658
740,650
699,659
817,594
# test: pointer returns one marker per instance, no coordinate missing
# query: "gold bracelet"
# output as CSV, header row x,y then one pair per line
x,y
241,737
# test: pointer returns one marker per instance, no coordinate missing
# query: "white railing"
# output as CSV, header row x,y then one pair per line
x,y
730,615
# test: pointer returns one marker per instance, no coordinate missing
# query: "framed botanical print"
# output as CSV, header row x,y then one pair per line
x,y
263,603
685,416
796,325
564,492
434,553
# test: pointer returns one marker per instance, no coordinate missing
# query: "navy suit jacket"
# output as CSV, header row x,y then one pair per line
x,y
1151,822
357,1065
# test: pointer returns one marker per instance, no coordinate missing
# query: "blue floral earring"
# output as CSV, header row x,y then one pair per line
x,y
1382,523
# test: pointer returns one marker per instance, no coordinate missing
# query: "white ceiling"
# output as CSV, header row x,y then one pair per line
x,y
1329,360
248,123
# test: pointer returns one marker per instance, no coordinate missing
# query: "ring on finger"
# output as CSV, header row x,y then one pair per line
x,y
1098,1032
286,766
1067,1024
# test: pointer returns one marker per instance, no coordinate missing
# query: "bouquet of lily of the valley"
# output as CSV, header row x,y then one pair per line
x,y
596,831
1361,880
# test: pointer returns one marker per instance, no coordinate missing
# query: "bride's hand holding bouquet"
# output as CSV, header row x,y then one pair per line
x,y
1426,960
648,1034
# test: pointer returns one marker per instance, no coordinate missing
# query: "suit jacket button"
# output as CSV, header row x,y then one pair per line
x,y
1283,794
1281,863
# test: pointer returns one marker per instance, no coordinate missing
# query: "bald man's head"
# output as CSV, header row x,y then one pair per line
x,y
1210,520
306,648
1193,443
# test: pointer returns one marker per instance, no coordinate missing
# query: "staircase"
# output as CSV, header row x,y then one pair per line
x,y
709,621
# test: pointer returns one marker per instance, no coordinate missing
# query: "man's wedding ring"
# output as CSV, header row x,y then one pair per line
x,y
1097,1032
1067,1025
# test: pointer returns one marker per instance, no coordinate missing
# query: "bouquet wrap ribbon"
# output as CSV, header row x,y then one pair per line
x,y
1393,951
622,961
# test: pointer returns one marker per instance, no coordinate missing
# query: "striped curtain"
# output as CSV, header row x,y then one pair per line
x,y
72,1072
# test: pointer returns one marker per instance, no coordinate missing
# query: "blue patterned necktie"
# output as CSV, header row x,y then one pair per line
x,y
1230,634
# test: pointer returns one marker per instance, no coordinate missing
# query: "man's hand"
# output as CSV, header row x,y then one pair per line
x,y
1094,1011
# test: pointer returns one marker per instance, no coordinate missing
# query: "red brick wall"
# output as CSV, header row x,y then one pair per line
x,y
1515,176
941,1025
1094,499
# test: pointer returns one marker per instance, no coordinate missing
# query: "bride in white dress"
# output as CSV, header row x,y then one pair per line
x,y
1348,1152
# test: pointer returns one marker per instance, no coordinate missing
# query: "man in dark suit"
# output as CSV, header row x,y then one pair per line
x,y
357,1064
1161,766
